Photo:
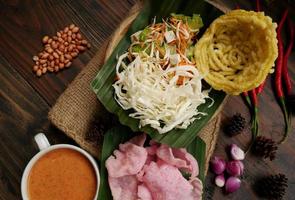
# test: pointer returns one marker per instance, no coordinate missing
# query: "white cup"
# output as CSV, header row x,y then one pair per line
x,y
45,147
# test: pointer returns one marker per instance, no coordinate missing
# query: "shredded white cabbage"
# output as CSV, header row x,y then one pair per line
x,y
154,95
157,79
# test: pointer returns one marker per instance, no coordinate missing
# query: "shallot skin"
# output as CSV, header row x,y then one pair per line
x,y
218,165
236,152
232,184
220,180
235,168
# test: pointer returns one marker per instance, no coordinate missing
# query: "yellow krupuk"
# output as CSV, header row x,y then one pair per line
x,y
237,51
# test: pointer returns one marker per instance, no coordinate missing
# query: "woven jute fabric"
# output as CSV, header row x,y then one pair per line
x,y
77,107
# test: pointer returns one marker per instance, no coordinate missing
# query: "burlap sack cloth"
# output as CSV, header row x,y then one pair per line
x,y
77,107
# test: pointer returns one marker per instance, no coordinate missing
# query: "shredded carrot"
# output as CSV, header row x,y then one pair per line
x,y
180,80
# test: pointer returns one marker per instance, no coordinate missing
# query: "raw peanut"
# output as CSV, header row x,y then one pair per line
x,y
66,29
60,40
79,36
35,58
50,69
55,55
45,55
84,42
35,68
61,47
44,70
68,64
39,72
54,45
74,54
88,45
59,52
52,64
75,29
62,58
50,57
71,47
45,39
49,50
61,65
68,56
81,48
42,61
72,26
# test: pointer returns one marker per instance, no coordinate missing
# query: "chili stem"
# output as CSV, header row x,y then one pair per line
x,y
247,99
278,76
254,118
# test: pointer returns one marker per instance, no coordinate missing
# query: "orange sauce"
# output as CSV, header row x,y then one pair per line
x,y
62,174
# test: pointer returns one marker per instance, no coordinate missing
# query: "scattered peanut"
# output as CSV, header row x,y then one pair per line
x,y
80,48
35,68
39,72
45,39
72,26
59,50
68,64
50,69
35,58
75,29
42,61
66,29
55,55
44,70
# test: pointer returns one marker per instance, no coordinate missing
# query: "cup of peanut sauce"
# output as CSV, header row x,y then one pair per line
x,y
60,172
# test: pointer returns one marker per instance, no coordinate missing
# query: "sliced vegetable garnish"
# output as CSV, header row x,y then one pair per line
x,y
157,77
102,84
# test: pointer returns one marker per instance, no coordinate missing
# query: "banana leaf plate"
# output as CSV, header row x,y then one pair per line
x,y
121,134
102,83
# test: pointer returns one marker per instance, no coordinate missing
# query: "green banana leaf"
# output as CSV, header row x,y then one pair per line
x,y
102,84
121,134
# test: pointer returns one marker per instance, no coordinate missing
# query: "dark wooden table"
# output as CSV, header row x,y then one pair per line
x,y
25,99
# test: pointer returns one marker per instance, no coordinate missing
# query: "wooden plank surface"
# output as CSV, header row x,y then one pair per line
x,y
26,99
23,113
24,23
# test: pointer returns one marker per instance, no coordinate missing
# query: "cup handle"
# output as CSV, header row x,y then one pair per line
x,y
42,141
